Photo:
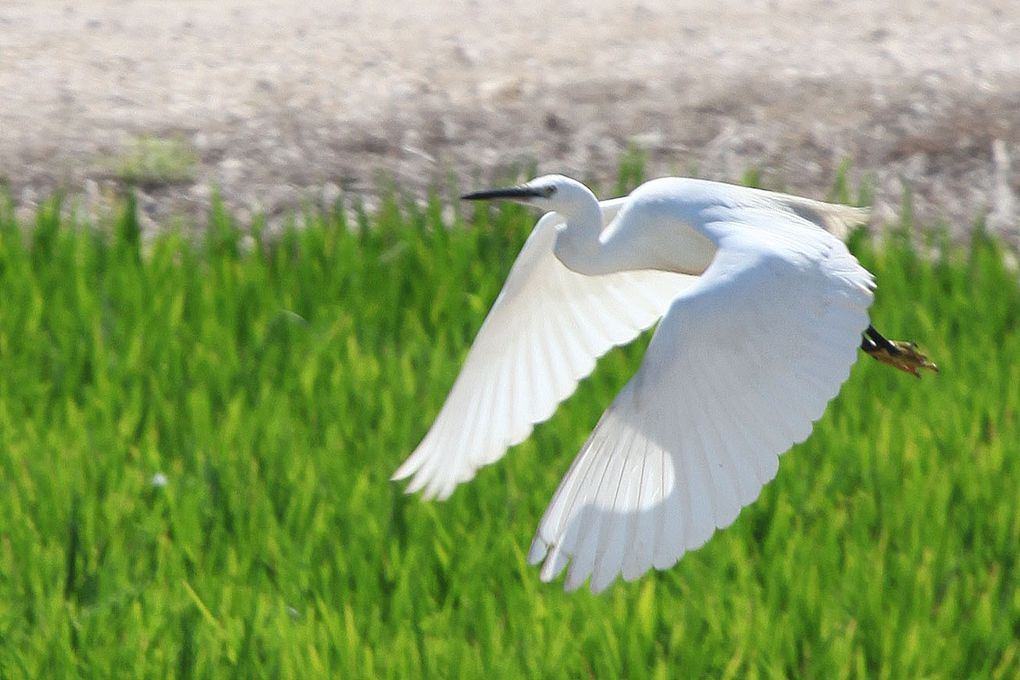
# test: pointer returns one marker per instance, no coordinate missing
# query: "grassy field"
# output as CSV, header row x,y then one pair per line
x,y
196,439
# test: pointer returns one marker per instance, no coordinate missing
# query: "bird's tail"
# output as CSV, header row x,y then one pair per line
x,y
834,218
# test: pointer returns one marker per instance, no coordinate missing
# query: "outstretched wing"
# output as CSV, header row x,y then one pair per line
x,y
741,366
542,335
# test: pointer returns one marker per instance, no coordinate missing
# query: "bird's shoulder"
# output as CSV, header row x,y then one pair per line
x,y
700,201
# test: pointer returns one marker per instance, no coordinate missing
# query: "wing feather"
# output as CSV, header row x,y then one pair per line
x,y
742,365
641,542
543,334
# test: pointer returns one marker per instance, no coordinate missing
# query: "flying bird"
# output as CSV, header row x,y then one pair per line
x,y
762,311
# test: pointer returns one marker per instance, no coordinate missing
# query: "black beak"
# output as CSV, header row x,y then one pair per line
x,y
511,193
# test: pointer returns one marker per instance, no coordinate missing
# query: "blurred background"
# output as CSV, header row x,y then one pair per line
x,y
197,429
280,104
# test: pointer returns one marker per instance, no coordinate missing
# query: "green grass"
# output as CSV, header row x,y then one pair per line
x,y
151,162
277,383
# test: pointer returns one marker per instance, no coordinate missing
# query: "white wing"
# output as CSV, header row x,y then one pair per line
x,y
742,365
542,335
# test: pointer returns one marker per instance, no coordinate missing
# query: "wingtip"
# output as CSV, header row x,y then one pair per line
x,y
575,578
406,469
419,485
600,582
537,552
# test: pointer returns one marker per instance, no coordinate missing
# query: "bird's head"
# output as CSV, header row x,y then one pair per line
x,y
549,192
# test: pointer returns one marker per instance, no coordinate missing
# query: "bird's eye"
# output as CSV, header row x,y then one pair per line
x,y
549,190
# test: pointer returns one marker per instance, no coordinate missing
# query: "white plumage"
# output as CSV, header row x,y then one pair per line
x,y
762,312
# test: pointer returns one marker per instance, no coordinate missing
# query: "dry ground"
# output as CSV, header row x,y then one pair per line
x,y
285,103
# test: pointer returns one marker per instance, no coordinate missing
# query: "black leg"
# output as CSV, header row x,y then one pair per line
x,y
878,341
901,355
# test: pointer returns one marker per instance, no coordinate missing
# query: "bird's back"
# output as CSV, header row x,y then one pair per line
x,y
700,194
661,224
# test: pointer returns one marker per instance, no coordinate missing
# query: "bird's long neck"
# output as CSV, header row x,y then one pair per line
x,y
578,245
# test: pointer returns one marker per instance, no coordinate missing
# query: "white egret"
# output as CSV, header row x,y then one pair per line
x,y
764,309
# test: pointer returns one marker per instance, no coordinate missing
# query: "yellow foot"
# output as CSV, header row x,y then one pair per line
x,y
904,356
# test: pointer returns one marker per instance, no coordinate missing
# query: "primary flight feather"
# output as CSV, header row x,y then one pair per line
x,y
762,308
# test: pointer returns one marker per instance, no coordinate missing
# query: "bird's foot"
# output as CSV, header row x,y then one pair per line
x,y
896,353
904,356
